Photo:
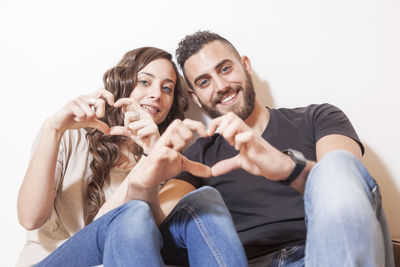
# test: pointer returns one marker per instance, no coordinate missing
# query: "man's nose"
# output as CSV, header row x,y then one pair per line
x,y
221,84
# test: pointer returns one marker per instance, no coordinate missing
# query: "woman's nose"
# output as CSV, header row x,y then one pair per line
x,y
155,92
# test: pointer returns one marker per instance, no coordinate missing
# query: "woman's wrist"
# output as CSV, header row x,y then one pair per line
x,y
50,127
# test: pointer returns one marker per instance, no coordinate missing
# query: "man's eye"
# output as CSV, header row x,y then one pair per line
x,y
203,83
226,69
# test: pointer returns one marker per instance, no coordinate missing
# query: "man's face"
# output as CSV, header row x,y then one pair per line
x,y
221,81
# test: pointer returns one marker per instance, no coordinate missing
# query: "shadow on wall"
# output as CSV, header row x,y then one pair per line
x,y
389,191
263,92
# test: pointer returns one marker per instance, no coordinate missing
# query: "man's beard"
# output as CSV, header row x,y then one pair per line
x,y
242,112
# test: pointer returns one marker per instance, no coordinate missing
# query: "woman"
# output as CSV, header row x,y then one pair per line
x,y
95,174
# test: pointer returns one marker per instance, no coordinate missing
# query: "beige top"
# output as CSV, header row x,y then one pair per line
x,y
66,219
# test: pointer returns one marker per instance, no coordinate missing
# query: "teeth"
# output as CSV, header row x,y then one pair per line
x,y
148,107
228,98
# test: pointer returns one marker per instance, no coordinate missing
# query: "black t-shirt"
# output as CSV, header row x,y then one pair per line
x,y
269,215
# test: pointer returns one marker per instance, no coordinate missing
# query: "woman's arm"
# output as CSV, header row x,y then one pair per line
x,y
37,192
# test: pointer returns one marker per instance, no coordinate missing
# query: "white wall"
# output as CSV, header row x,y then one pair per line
x,y
345,52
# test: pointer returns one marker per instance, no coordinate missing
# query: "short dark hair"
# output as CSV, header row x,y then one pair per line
x,y
191,44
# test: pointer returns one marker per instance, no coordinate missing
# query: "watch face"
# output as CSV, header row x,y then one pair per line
x,y
298,154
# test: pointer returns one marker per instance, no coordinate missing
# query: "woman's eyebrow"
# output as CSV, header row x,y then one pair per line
x,y
146,73
153,76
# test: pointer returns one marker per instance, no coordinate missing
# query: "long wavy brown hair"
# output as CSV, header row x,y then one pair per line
x,y
120,81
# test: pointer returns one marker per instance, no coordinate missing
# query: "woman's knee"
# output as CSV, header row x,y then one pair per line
x,y
135,214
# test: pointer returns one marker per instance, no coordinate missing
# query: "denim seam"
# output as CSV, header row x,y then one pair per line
x,y
285,253
205,234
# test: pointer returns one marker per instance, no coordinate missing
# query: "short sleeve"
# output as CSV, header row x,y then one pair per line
x,y
328,119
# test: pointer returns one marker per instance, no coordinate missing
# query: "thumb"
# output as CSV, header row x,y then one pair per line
x,y
195,168
119,130
99,125
225,166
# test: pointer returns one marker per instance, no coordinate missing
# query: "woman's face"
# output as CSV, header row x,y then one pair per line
x,y
155,88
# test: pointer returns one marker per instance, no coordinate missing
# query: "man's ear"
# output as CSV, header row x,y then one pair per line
x,y
194,97
247,64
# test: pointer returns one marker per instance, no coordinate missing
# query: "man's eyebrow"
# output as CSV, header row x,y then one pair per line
x,y
200,77
216,68
222,63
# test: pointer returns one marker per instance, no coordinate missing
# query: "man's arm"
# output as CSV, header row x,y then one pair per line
x,y
325,145
259,157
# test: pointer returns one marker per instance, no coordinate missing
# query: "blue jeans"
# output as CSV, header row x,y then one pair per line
x,y
199,232
346,225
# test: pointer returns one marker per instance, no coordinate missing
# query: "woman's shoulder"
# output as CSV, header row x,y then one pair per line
x,y
75,137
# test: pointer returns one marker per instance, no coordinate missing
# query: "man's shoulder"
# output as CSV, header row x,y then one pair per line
x,y
305,112
304,109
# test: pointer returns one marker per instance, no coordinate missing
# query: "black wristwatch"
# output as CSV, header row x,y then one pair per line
x,y
300,161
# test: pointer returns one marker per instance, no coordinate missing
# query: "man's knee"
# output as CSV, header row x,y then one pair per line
x,y
336,168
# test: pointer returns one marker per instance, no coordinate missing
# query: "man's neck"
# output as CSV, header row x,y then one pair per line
x,y
258,119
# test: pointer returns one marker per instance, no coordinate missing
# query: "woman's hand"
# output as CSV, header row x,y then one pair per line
x,y
83,111
138,124
165,160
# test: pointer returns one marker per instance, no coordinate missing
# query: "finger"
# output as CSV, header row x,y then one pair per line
x,y
77,111
130,116
242,139
85,103
99,125
225,166
100,106
185,133
229,131
74,110
105,94
142,123
119,130
196,126
128,102
176,142
147,131
214,124
195,168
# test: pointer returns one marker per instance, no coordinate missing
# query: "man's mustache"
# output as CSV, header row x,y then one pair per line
x,y
220,95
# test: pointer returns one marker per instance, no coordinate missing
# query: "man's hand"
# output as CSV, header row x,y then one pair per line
x,y
256,155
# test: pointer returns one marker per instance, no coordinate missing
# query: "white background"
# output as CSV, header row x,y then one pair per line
x,y
346,52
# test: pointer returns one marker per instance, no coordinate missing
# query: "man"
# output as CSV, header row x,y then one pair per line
x,y
263,161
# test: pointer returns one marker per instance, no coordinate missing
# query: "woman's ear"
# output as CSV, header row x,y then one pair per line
x,y
247,64
194,97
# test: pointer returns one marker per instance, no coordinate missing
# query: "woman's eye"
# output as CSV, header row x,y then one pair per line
x,y
144,82
167,89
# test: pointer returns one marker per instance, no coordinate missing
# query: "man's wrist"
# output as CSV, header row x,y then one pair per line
x,y
300,163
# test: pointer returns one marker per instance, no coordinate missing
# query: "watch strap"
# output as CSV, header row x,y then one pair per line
x,y
299,167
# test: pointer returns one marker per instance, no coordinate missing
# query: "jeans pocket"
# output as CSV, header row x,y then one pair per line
x,y
288,250
292,256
